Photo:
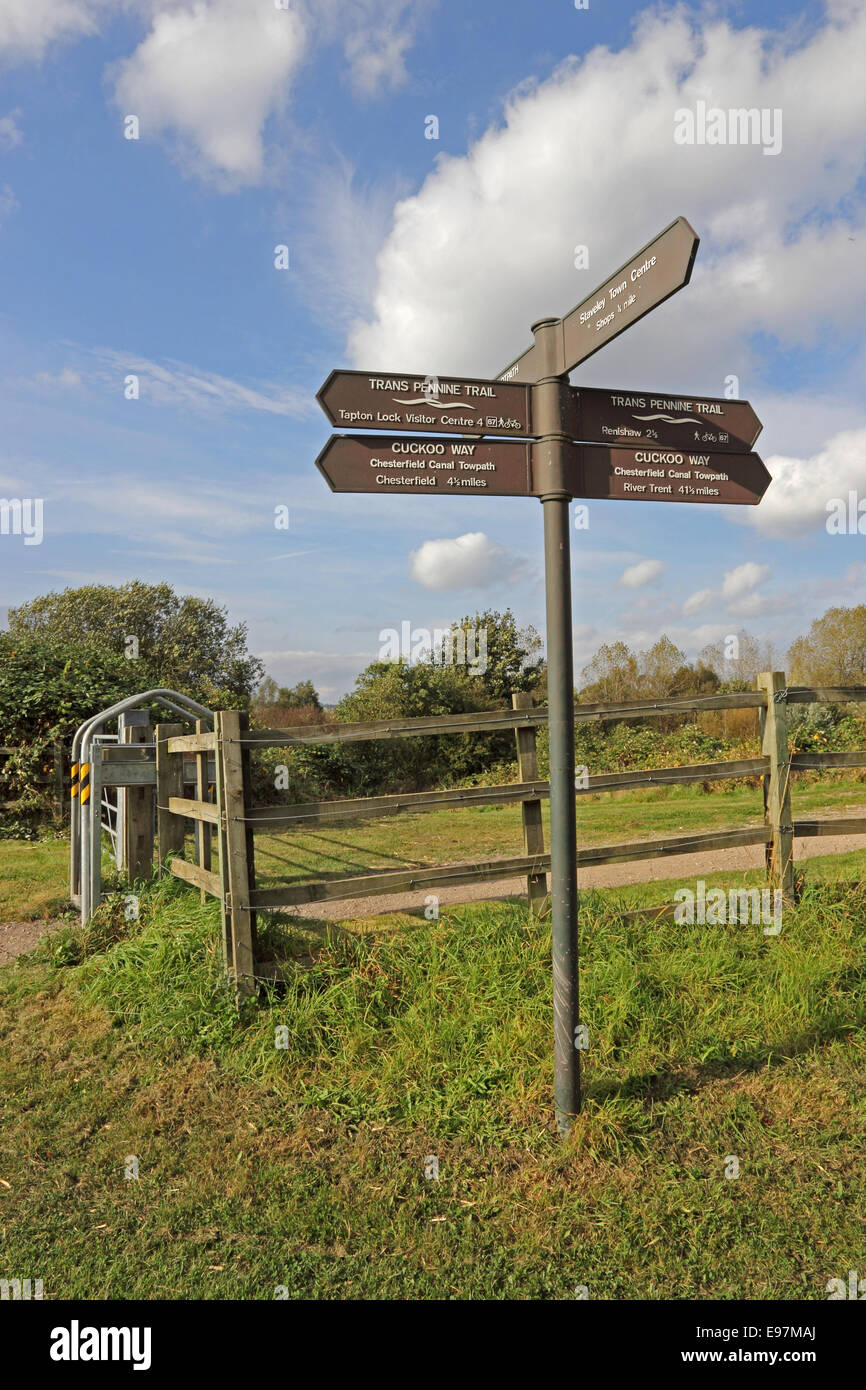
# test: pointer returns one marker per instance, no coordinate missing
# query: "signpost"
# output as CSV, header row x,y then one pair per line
x,y
511,468
388,463
670,475
684,422
576,442
656,272
444,404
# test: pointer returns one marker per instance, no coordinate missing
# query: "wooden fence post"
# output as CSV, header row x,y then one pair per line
x,y
169,782
202,827
533,829
237,863
777,786
222,848
137,849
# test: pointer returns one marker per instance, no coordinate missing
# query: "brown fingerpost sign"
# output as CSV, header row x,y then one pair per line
x,y
656,272
650,474
406,401
449,467
706,423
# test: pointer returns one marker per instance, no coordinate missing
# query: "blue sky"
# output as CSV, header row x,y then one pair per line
x,y
305,126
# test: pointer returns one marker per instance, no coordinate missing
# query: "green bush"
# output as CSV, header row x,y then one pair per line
x,y
47,688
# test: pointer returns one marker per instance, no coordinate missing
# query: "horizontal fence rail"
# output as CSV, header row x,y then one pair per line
x,y
491,720
271,818
223,757
194,810
201,878
399,880
801,761
438,725
404,880
825,694
204,742
850,825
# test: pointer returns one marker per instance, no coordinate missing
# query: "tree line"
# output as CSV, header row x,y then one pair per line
x,y
65,655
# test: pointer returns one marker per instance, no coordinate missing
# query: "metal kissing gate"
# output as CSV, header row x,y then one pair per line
x,y
125,762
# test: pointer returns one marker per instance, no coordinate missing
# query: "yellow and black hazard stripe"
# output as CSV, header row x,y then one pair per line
x,y
73,772
84,782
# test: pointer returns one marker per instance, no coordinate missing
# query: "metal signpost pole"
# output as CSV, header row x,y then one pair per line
x,y
551,456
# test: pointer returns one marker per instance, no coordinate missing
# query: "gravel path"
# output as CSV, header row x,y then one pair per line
x,y
18,937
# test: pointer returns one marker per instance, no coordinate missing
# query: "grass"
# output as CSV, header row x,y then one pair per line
x,y
34,881
303,1165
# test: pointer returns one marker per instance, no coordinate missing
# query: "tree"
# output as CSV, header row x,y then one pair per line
x,y
611,676
400,690
268,692
658,668
301,696
48,687
737,659
694,680
834,650
497,654
184,643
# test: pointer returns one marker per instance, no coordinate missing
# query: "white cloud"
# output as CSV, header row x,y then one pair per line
x,y
797,499
469,263
141,510
133,508
28,27
694,639
378,65
375,35
210,74
466,562
755,605
8,203
636,576
67,379
10,131
743,579
697,602
179,384
344,223
171,383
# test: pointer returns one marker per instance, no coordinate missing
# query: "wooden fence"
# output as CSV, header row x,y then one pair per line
x,y
234,819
